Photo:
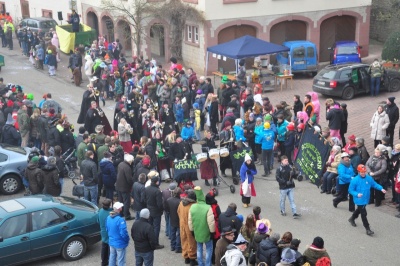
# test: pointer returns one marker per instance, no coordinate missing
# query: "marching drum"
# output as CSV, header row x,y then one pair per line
x,y
201,157
224,152
213,154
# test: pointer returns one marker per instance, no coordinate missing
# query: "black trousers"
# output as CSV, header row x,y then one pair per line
x,y
125,198
246,200
213,126
105,253
376,195
361,209
390,133
344,190
252,145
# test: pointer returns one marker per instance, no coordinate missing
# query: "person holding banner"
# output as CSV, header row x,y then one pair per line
x,y
247,173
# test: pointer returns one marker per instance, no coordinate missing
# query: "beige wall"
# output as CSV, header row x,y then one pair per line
x,y
193,56
215,9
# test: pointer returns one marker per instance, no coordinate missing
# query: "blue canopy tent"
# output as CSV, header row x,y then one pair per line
x,y
244,47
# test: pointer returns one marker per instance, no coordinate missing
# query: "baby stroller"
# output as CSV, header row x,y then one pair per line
x,y
69,160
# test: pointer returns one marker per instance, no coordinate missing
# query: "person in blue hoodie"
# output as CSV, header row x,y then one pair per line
x,y
118,237
187,131
267,146
346,173
102,219
360,187
281,127
258,130
268,118
109,175
247,171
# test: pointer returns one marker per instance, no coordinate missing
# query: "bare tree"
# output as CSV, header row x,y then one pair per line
x,y
135,13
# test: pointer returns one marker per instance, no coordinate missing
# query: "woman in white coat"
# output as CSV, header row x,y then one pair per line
x,y
379,124
88,66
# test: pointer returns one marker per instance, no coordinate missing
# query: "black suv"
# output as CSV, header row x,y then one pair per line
x,y
347,80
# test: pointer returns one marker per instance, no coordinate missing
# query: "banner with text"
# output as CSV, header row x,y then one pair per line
x,y
185,170
237,157
312,156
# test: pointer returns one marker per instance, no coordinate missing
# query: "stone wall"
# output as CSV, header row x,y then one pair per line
x,y
383,21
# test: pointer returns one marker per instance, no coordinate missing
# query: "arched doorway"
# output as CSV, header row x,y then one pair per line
x,y
287,31
107,24
93,21
335,29
157,42
124,35
229,34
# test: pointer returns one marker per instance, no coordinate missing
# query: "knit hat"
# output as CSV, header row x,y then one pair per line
x,y
145,213
318,242
51,161
267,125
227,230
35,159
391,99
288,255
199,92
267,117
240,240
386,139
146,161
172,186
240,217
352,137
196,106
247,157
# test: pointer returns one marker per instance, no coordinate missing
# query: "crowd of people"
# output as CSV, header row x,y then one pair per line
x,y
159,115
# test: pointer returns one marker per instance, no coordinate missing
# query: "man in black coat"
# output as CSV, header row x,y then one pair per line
x,y
53,135
143,237
171,207
393,112
138,195
268,250
124,184
88,97
335,117
89,174
297,105
92,118
10,135
74,20
229,218
154,203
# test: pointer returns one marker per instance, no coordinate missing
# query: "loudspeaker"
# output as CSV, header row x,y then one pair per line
x,y
60,15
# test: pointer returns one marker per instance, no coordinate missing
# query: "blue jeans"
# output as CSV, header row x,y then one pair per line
x,y
117,254
290,194
175,236
156,223
90,194
197,134
144,257
24,47
167,225
327,181
209,251
375,83
61,183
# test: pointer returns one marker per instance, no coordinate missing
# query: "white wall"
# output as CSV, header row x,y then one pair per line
x,y
215,9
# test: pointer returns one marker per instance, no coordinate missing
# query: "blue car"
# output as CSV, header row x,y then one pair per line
x,y
41,226
345,52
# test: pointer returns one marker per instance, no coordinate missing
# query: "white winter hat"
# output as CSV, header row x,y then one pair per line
x,y
247,157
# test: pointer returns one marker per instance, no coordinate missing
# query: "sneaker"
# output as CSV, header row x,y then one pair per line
x,y
283,213
335,204
369,232
296,215
352,222
159,246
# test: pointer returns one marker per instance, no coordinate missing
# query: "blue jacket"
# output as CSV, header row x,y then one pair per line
x,y
40,53
102,218
109,174
178,110
289,142
282,130
243,171
201,101
239,133
272,126
345,173
259,131
268,139
118,236
187,133
363,186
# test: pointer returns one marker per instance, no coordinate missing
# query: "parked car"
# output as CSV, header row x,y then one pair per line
x,y
45,24
13,160
41,226
345,52
303,56
348,80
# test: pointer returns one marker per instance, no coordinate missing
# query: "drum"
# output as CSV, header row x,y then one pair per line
x,y
224,152
213,154
201,157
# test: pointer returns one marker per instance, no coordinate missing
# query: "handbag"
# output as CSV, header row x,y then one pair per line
x,y
78,190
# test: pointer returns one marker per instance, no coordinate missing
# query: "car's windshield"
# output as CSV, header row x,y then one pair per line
x,y
347,50
16,149
327,73
48,24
